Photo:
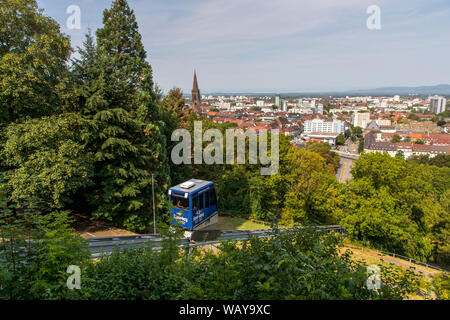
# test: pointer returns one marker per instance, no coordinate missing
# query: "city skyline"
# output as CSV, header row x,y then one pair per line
x,y
287,46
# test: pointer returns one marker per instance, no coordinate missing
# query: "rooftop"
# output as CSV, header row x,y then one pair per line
x,y
198,184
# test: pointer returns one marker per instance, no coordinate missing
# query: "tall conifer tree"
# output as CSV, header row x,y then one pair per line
x,y
120,102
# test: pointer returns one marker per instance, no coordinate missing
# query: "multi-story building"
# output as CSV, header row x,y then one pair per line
x,y
278,100
324,126
383,122
437,104
329,138
320,109
361,119
418,126
436,144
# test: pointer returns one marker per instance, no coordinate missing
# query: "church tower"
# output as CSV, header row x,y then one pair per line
x,y
196,101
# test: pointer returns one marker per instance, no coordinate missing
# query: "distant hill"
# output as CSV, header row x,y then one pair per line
x,y
440,89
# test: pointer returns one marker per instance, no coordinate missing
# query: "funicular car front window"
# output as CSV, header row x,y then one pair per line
x,y
181,202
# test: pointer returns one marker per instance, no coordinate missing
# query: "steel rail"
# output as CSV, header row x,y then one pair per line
x,y
105,246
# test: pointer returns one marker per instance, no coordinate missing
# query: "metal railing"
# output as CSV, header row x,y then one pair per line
x,y
399,256
104,246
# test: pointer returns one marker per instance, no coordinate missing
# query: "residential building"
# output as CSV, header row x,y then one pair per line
x,y
329,138
278,100
361,119
375,141
383,122
324,126
437,104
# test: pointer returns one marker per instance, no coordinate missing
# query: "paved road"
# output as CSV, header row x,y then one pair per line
x,y
343,174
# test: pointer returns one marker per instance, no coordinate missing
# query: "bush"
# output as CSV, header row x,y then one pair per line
x,y
34,255
298,265
294,265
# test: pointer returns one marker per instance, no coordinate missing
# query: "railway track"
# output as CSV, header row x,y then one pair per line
x,y
103,246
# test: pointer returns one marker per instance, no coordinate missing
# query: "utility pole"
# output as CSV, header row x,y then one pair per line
x,y
154,215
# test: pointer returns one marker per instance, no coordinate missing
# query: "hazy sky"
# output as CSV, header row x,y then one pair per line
x,y
283,45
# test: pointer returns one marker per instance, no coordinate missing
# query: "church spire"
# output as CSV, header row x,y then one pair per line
x,y
196,103
195,86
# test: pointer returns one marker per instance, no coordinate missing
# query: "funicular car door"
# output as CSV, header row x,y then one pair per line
x,y
199,213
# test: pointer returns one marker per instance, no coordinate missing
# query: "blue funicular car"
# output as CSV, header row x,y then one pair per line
x,y
194,207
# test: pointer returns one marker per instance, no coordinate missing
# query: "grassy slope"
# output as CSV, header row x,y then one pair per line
x,y
370,256
232,223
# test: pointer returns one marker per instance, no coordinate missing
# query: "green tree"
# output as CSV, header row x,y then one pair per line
x,y
413,116
47,161
441,160
175,116
357,131
395,204
312,192
31,270
340,140
400,154
396,138
324,149
121,104
361,145
34,77
348,133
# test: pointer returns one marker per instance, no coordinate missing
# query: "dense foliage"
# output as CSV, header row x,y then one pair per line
x,y
399,206
47,160
295,265
290,266
33,63
35,252
95,147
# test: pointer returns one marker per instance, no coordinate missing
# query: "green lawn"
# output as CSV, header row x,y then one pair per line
x,y
231,223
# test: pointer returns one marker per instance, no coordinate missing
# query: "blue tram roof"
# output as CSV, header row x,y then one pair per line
x,y
198,185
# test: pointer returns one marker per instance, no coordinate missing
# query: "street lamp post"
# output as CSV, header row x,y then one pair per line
x,y
154,215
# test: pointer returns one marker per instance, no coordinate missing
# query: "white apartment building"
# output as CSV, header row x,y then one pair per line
x,y
437,104
383,122
225,105
260,103
278,100
320,125
301,110
361,119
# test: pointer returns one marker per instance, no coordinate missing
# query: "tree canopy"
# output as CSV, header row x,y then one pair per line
x,y
33,63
